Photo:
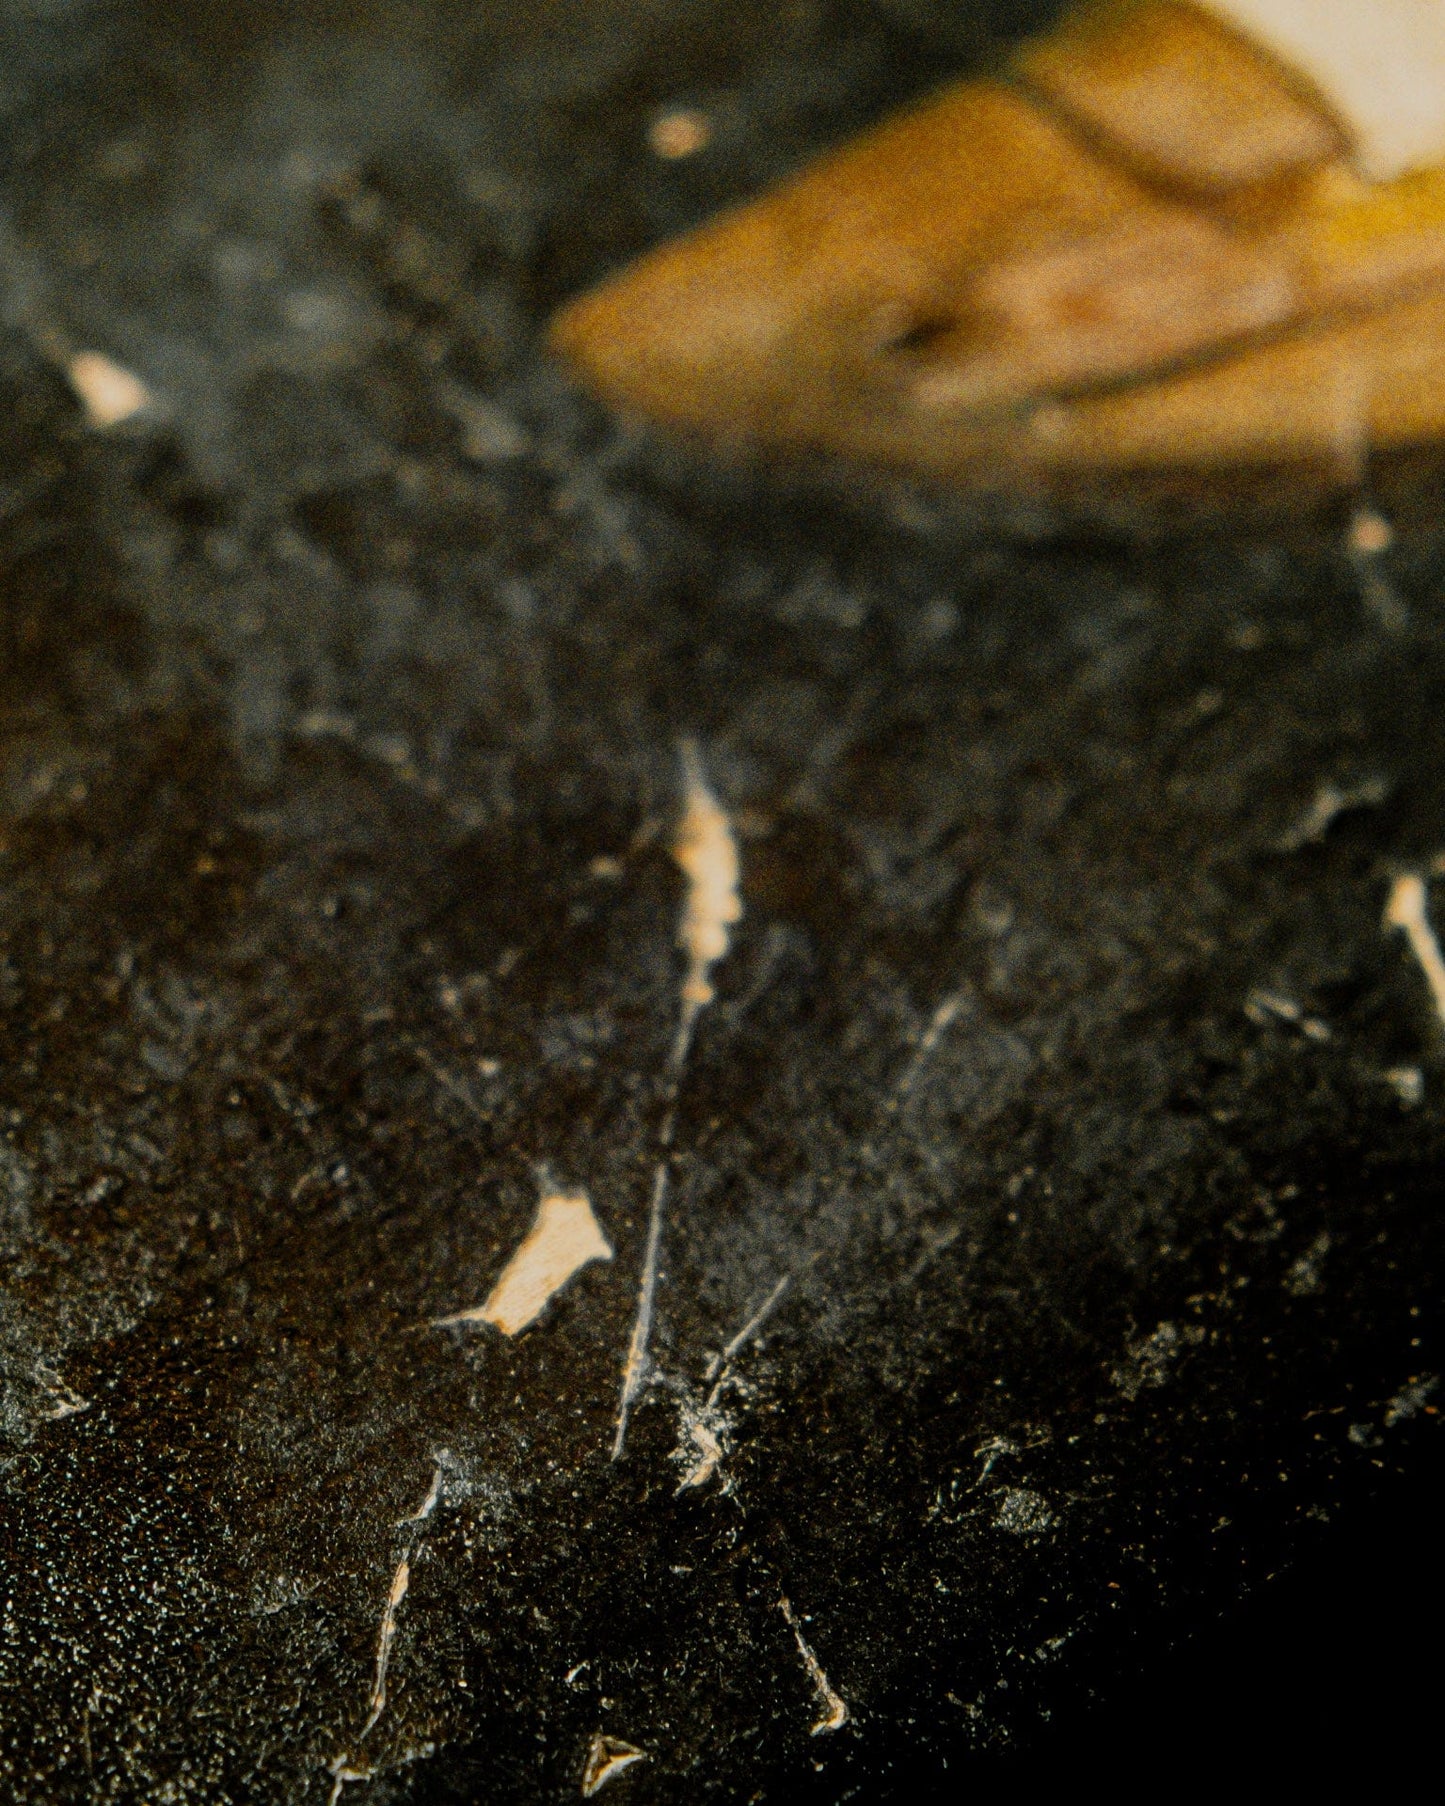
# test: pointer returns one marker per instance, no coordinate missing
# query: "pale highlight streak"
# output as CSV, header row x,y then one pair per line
x,y
1407,911
832,1708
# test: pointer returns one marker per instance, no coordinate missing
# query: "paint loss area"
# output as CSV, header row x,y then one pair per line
x,y
564,1237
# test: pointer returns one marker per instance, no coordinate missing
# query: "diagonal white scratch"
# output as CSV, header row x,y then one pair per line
x,y
939,1024
832,1708
341,1768
720,1363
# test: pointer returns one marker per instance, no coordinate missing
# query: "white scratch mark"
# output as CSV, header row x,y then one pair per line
x,y
1406,910
832,1708
1330,802
1263,1007
562,1240
706,1428
941,1021
400,1581
429,1503
634,1374
707,851
607,1757
451,1084
719,1363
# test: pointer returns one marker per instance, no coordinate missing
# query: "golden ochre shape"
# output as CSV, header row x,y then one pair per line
x,y
1147,255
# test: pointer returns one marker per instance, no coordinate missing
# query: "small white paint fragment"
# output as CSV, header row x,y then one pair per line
x,y
832,1708
705,1430
707,851
607,1757
1330,802
1406,910
1411,1400
108,392
400,1581
1263,1007
680,132
562,1240
1408,1084
489,434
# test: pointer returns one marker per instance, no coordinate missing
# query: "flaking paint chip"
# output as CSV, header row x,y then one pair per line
x,y
607,1757
108,392
564,1238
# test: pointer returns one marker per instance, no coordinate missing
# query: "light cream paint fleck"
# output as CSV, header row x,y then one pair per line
x,y
1379,65
562,1240
707,851
607,1758
1370,533
108,392
1407,910
832,1708
679,132
400,1581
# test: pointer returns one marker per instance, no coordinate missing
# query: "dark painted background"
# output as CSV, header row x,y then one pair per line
x,y
340,708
